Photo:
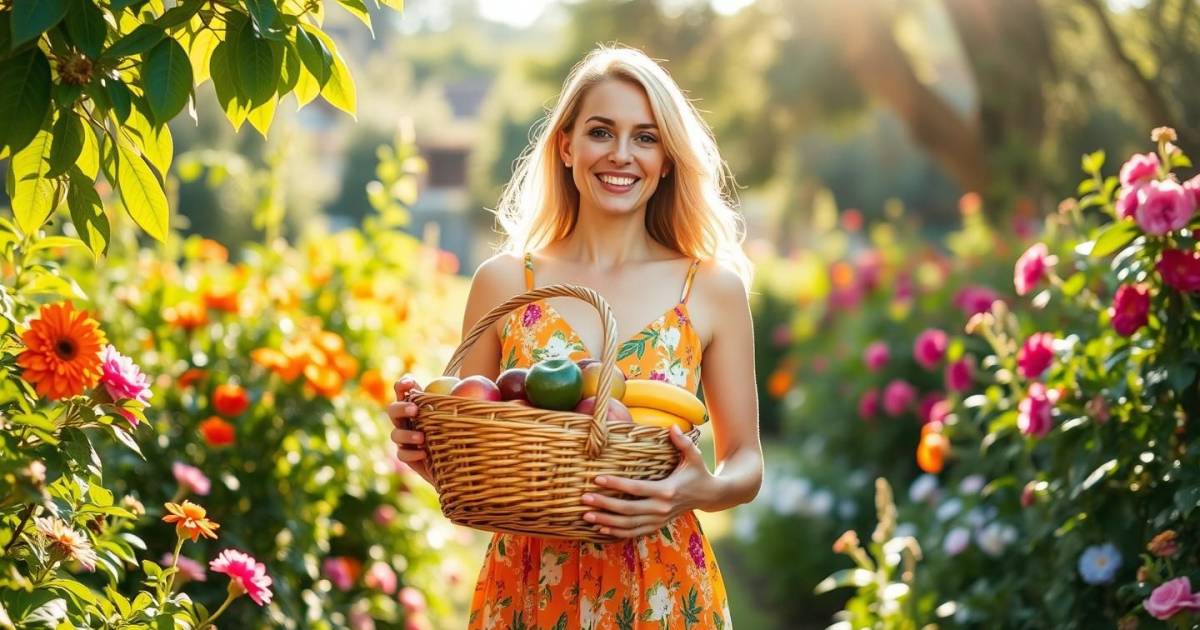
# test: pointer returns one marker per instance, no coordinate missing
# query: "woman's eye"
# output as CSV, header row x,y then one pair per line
x,y
647,138
599,132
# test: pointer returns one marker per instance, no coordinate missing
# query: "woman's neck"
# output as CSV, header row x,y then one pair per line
x,y
609,241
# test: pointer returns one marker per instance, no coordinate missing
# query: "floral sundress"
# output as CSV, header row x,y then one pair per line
x,y
668,580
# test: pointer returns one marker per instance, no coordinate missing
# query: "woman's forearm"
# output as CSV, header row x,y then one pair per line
x,y
735,481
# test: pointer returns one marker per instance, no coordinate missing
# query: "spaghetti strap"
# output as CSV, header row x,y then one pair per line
x,y
687,284
528,271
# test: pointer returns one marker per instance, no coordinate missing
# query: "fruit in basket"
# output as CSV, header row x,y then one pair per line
x,y
583,363
520,401
666,397
555,384
617,411
512,383
441,385
591,381
658,418
477,386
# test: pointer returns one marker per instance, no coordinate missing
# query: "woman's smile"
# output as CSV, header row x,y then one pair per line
x,y
617,183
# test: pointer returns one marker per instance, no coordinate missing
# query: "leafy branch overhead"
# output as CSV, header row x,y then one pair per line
x,y
88,88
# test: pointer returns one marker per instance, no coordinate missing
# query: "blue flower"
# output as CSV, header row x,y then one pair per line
x,y
1099,563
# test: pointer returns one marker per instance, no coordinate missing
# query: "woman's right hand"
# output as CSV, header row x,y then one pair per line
x,y
410,444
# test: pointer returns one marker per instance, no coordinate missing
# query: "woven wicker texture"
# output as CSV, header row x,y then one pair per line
x,y
504,467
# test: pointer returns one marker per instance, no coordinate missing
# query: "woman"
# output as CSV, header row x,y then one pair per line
x,y
623,192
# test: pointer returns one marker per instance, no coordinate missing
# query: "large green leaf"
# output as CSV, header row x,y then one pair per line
x,y
119,98
143,38
167,76
24,97
265,15
34,195
154,142
86,26
260,117
31,18
68,143
339,91
358,9
226,86
179,14
89,154
1113,237
200,45
141,192
256,63
87,213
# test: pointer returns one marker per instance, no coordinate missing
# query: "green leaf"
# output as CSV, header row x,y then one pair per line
x,y
141,192
119,97
143,38
87,213
89,155
68,143
200,45
1087,186
24,97
226,85
359,10
1113,237
87,28
77,590
34,195
265,16
398,5
1071,286
256,63
291,70
260,117
339,90
178,15
1179,160
1093,162
155,142
31,18
167,74
846,577
51,242
66,94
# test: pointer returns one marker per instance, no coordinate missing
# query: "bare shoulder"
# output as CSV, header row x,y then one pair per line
x,y
719,300
496,279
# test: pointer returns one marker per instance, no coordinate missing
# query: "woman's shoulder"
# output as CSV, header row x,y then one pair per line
x,y
718,281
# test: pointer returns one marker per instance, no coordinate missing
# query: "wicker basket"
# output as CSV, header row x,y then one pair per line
x,y
504,467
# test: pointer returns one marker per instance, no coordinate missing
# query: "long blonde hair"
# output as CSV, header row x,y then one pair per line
x,y
691,211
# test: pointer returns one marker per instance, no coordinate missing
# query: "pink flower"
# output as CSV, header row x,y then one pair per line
x,y
959,374
385,514
876,356
533,313
1164,207
1034,417
188,569
1031,268
381,577
868,404
1193,186
868,266
1180,270
1035,355
1130,309
361,620
696,550
939,411
898,397
975,299
191,478
656,375
340,570
1140,168
930,347
1128,201
928,402
903,288
124,381
413,600
1172,597
244,573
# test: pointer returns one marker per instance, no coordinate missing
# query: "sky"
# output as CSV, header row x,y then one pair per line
x,y
522,13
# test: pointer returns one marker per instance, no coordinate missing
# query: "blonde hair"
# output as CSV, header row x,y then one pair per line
x,y
691,210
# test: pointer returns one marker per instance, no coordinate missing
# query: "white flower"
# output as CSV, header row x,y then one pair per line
x,y
949,509
556,348
993,538
551,570
669,337
923,489
972,484
676,375
661,604
791,495
1099,563
956,541
590,613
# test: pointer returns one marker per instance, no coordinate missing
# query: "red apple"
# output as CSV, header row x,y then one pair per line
x,y
512,383
480,387
617,411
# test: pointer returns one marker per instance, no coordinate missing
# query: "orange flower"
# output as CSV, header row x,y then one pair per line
x,y
190,521
186,315
780,382
373,384
212,250
217,432
931,452
190,376
326,381
230,400
62,351
842,274
222,299
345,365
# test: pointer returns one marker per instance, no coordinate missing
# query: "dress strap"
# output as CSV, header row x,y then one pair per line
x,y
687,284
528,271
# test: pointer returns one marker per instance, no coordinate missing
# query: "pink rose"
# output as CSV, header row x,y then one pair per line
x,y
930,347
1035,355
975,299
1140,168
1035,408
1170,598
1031,268
1193,186
1128,201
1130,309
412,600
927,405
898,397
868,404
1164,207
958,375
1180,270
876,356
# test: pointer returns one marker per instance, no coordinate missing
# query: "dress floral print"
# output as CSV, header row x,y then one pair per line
x,y
665,581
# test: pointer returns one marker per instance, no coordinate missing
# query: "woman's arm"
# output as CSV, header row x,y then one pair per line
x,y
497,279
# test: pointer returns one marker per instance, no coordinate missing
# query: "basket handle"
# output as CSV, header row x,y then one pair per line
x,y
598,434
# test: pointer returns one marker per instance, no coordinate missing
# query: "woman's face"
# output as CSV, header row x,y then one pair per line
x,y
614,150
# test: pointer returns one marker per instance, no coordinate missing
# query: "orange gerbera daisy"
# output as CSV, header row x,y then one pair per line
x,y
62,351
190,521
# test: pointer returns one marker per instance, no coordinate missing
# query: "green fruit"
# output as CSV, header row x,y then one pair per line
x,y
554,384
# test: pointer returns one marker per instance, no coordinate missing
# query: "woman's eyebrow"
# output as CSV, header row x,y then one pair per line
x,y
609,121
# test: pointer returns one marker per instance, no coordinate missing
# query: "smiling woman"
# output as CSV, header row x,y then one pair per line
x,y
623,192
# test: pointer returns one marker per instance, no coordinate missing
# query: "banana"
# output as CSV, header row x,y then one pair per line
x,y
665,397
658,418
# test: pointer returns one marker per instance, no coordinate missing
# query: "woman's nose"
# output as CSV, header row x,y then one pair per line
x,y
620,153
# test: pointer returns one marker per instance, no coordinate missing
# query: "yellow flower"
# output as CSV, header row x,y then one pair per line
x,y
190,521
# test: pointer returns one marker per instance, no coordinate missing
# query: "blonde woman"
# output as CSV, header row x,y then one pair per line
x,y
624,192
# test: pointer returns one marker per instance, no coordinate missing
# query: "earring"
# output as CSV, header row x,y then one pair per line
x,y
567,164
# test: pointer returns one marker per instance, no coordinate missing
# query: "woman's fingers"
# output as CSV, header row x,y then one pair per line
x,y
403,386
403,436
400,410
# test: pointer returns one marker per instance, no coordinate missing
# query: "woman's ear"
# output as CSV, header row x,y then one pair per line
x,y
564,147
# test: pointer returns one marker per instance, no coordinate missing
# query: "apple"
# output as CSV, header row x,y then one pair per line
x,y
617,411
591,381
512,383
479,387
441,385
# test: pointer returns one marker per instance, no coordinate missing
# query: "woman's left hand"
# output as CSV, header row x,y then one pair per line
x,y
690,486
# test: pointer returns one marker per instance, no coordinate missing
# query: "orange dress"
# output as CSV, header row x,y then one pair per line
x,y
668,580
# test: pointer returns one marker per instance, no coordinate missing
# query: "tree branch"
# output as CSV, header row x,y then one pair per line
x,y
1154,105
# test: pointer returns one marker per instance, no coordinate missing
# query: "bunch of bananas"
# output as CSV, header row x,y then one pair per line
x,y
661,404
